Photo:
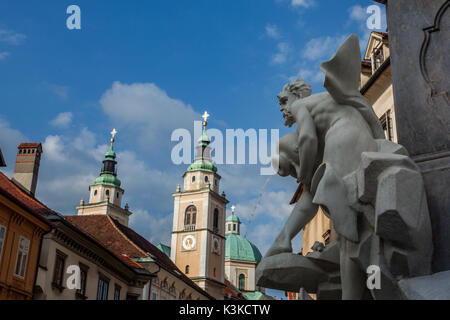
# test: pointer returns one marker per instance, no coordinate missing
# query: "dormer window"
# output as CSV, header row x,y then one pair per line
x,y
378,57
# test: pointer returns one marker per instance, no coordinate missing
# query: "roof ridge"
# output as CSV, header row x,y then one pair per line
x,y
126,238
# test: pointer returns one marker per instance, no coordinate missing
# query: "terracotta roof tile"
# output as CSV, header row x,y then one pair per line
x,y
231,290
124,241
13,192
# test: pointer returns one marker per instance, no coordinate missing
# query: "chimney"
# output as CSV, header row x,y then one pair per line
x,y
27,166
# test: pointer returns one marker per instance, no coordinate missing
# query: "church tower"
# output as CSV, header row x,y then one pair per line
x,y
105,195
198,232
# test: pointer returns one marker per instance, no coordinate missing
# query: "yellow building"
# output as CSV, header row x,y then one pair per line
x,y
22,225
198,230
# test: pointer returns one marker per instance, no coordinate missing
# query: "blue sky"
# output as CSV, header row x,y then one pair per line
x,y
147,68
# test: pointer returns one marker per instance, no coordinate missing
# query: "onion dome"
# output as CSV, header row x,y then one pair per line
x,y
108,175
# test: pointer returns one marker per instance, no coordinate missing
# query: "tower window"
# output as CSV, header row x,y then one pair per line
x,y
216,220
234,227
214,272
107,193
242,281
190,218
229,227
117,195
95,192
193,179
206,179
186,270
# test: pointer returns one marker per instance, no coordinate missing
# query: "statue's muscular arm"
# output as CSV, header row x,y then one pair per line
x,y
307,145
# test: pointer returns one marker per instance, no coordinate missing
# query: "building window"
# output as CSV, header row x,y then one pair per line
x,y
206,179
154,295
187,269
103,286
2,239
95,192
378,57
190,218
107,193
58,271
22,257
241,281
193,179
117,292
216,221
83,281
214,272
229,227
234,226
386,124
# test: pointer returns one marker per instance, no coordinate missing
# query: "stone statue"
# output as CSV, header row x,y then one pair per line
x,y
368,186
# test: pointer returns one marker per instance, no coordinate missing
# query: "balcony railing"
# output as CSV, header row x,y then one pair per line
x,y
190,227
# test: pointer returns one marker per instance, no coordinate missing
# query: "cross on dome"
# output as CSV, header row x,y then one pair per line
x,y
113,134
205,116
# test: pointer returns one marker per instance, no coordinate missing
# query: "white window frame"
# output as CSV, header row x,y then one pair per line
x,y
2,240
23,252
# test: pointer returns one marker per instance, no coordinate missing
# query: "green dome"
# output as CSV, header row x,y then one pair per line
x,y
239,248
202,165
107,179
111,154
233,218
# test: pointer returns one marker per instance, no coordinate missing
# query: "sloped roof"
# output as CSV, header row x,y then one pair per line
x,y
14,193
257,295
233,292
164,248
125,242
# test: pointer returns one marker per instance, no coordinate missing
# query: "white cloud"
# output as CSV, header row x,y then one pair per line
x,y
322,47
302,3
9,141
3,55
147,109
358,13
281,56
61,91
158,227
62,120
11,37
272,31
310,76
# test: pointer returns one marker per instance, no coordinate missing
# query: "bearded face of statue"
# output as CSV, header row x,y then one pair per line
x,y
286,100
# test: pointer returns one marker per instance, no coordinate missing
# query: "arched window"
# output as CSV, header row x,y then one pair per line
x,y
193,179
190,218
214,272
107,193
206,179
242,281
186,271
95,192
216,220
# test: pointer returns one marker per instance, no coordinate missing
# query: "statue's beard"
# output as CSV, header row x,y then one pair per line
x,y
288,118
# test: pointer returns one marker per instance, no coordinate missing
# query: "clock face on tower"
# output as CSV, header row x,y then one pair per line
x,y
189,242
